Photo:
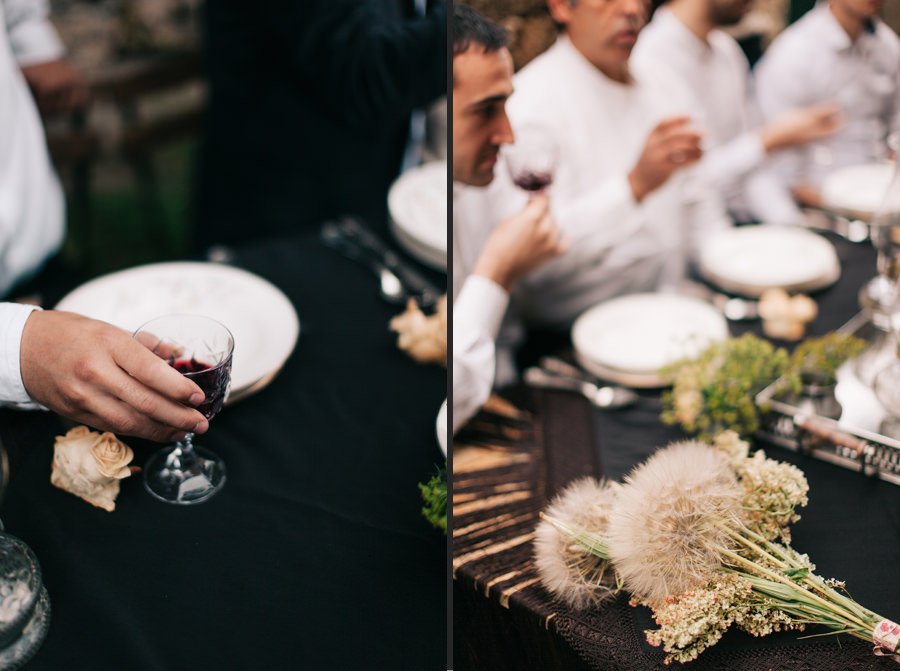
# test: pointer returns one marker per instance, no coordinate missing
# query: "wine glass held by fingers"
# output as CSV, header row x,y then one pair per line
x,y
201,349
532,160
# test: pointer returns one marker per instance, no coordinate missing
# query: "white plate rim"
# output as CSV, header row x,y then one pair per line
x,y
292,323
632,378
395,205
828,277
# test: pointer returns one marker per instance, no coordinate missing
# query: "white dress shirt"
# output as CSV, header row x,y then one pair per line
x,y
617,245
31,200
815,61
12,322
479,305
717,75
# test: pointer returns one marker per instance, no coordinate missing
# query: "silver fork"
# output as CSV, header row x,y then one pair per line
x,y
605,397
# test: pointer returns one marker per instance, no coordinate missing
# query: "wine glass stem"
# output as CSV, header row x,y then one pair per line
x,y
186,446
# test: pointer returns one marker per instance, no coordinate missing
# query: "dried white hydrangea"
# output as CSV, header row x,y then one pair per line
x,y
730,445
773,490
695,620
671,520
567,568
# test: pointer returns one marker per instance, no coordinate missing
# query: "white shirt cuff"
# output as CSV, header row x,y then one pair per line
x,y
12,322
481,301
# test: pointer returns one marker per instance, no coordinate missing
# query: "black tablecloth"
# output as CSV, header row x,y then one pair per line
x,y
313,556
851,530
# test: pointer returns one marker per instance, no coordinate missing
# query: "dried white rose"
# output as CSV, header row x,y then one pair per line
x,y
90,464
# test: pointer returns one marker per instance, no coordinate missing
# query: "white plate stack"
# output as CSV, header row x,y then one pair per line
x,y
630,339
750,259
417,203
857,190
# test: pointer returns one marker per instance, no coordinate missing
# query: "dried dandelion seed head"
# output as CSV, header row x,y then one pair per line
x,y
666,528
567,568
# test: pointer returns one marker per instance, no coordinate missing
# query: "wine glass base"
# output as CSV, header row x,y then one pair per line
x,y
876,297
16,654
167,479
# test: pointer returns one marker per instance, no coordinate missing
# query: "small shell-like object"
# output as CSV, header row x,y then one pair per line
x,y
423,337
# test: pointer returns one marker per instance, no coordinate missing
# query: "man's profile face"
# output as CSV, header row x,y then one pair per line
x,y
728,12
861,9
481,84
604,31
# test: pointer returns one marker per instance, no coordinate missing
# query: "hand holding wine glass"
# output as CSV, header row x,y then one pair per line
x,y
94,373
201,350
532,159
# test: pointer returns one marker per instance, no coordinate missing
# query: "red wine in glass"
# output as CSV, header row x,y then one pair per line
x,y
533,182
213,380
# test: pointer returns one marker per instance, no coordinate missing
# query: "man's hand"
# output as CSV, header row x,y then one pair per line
x,y
97,374
520,244
671,146
56,86
802,125
807,195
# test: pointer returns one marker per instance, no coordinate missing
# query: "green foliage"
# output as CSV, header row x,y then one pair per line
x,y
434,493
822,356
716,391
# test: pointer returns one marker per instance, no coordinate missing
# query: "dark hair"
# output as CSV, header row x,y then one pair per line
x,y
471,27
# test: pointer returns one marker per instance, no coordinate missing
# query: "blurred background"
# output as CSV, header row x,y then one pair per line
x,y
127,161
532,30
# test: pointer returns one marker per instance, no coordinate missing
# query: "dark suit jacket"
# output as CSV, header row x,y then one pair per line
x,y
309,107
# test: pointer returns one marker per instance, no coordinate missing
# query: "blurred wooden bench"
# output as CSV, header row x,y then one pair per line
x,y
127,87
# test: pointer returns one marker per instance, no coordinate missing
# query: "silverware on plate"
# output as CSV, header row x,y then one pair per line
x,y
606,397
390,286
353,237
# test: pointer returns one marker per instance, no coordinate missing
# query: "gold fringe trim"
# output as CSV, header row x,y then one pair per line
x,y
489,502
481,553
508,592
485,526
468,459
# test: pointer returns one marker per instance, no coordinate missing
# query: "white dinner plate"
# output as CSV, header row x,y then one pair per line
x,y
857,190
260,317
417,203
750,259
629,339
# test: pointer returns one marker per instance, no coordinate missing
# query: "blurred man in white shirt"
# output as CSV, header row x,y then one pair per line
x,y
840,52
684,36
482,82
621,194
86,370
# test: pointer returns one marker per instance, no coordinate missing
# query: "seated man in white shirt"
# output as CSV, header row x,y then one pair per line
x,y
840,51
482,81
684,36
84,369
621,194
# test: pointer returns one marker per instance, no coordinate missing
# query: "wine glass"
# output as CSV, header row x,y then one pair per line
x,y
887,382
24,603
885,232
532,159
201,349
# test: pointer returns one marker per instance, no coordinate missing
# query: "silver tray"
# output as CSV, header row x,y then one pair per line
x,y
856,439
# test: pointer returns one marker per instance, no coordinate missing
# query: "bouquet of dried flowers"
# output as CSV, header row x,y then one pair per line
x,y
716,391
699,533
